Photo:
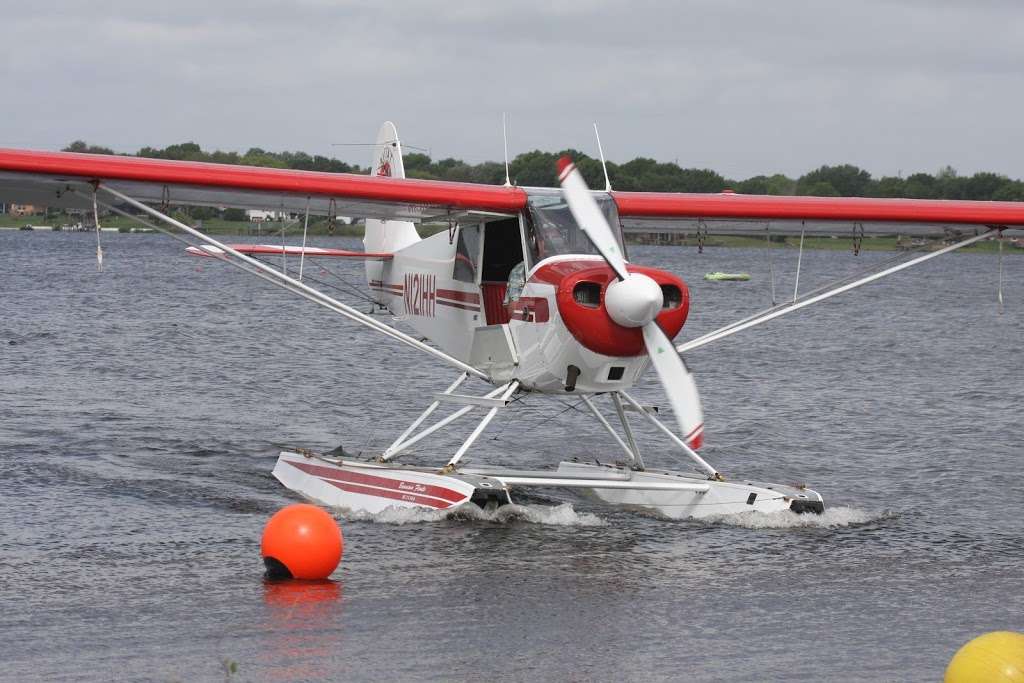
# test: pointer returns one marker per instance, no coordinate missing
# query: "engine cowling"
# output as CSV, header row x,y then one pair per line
x,y
590,305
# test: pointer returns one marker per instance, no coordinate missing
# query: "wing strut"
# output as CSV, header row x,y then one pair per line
x,y
776,312
285,282
96,222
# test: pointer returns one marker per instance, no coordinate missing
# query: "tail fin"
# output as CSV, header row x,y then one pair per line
x,y
387,153
386,236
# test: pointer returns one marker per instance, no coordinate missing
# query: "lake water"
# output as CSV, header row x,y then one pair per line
x,y
141,408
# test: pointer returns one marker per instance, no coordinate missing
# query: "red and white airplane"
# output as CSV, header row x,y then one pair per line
x,y
529,290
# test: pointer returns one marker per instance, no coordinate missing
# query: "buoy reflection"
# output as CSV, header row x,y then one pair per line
x,y
302,629
299,593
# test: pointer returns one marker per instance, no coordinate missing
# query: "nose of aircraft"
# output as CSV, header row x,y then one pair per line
x,y
606,314
635,301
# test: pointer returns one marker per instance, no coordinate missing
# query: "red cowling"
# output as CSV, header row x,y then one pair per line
x,y
590,324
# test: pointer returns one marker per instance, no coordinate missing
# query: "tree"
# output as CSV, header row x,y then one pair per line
x,y
920,186
779,184
258,157
756,185
591,171
847,180
534,168
949,185
538,168
1011,191
821,188
82,148
488,173
416,162
889,186
699,180
984,185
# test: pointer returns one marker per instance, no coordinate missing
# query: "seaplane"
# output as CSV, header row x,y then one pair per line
x,y
528,292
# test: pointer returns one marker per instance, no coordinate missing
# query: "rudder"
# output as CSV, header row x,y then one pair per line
x,y
382,235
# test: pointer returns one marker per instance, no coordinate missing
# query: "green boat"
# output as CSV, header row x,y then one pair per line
x,y
725,277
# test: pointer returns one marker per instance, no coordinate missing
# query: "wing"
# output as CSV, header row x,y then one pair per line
x,y
732,213
61,179
52,179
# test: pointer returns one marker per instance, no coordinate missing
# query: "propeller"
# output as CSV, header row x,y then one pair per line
x,y
589,217
635,301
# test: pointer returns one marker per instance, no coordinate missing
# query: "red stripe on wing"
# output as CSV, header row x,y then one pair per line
x,y
226,176
740,206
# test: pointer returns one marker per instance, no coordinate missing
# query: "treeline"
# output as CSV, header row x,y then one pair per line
x,y
537,169
190,151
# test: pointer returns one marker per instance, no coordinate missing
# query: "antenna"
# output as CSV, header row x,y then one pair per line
x,y
604,166
504,135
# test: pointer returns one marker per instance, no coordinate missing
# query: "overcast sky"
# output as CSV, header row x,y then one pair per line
x,y
741,87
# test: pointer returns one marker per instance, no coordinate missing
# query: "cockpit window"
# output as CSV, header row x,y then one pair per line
x,y
552,230
466,253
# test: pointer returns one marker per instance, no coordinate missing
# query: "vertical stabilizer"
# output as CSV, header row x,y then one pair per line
x,y
386,236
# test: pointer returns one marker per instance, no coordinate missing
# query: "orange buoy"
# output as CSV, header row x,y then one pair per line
x,y
301,542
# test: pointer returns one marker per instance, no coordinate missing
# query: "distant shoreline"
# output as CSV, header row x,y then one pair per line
x,y
845,243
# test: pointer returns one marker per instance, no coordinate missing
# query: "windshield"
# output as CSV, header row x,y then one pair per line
x,y
551,229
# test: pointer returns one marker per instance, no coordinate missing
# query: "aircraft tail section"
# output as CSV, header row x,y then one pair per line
x,y
386,236
389,236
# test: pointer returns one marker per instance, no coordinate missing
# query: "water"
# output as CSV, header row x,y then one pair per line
x,y
140,410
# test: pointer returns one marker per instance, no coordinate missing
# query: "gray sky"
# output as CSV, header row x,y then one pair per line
x,y
741,87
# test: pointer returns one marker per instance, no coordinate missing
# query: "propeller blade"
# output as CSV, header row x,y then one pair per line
x,y
678,382
589,217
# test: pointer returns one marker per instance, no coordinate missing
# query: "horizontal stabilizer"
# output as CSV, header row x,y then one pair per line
x,y
289,251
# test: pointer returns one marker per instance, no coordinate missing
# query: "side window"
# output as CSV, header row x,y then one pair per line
x,y
531,240
466,252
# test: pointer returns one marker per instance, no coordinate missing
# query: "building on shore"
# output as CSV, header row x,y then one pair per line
x,y
22,209
258,216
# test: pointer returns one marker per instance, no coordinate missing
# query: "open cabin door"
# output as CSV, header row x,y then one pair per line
x,y
502,251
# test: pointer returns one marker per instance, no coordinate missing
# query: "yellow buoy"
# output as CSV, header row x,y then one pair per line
x,y
996,657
